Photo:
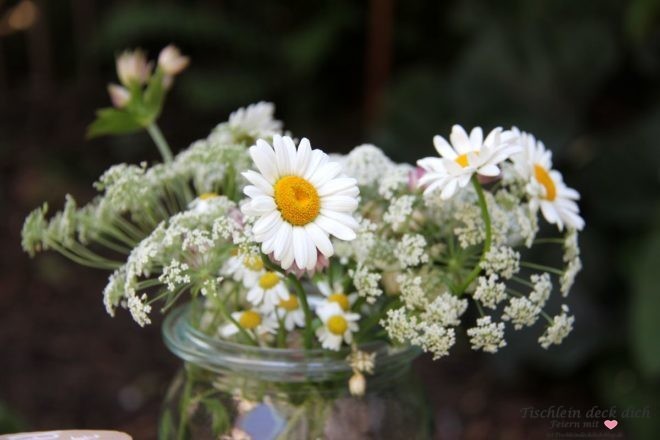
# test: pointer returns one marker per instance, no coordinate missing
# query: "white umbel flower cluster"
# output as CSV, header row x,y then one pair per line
x,y
521,312
502,261
489,291
487,335
411,250
558,329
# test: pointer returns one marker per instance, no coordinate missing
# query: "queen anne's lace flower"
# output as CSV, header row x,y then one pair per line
x,y
542,288
399,211
521,312
489,291
411,250
487,335
366,283
558,329
367,163
445,309
567,278
502,261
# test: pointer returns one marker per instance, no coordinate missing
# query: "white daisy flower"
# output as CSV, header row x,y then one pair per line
x,y
291,313
300,198
337,325
546,186
269,291
244,268
465,156
336,294
203,202
251,320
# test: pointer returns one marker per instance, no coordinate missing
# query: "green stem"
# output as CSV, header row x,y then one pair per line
x,y
522,281
541,267
307,334
161,143
487,242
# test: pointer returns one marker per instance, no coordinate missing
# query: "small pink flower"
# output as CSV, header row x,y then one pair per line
x,y
119,95
414,176
321,263
133,67
172,61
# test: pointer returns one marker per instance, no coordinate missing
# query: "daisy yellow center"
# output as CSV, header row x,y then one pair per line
x,y
462,160
207,196
340,299
268,280
543,177
254,263
233,252
250,319
337,325
290,304
297,199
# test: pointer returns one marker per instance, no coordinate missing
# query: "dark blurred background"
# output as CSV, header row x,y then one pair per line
x,y
583,76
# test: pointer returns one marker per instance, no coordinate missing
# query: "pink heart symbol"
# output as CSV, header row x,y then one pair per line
x,y
610,424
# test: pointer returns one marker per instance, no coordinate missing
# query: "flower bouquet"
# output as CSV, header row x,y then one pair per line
x,y
313,280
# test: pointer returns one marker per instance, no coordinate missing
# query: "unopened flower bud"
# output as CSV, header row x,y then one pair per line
x,y
133,67
390,283
119,95
357,384
171,60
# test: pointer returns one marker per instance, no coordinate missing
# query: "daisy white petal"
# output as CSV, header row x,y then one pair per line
x,y
305,200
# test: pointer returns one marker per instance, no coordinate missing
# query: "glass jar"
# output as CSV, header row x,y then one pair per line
x,y
231,391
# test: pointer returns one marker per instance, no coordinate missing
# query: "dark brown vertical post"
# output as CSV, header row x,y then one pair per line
x,y
378,56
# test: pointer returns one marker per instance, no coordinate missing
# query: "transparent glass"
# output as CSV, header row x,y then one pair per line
x,y
231,391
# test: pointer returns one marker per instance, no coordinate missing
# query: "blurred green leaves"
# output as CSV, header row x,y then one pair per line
x,y
645,306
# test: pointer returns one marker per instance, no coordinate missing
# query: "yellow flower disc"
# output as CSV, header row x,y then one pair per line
x,y
543,177
462,160
340,299
250,319
297,199
268,280
253,262
290,304
207,196
337,324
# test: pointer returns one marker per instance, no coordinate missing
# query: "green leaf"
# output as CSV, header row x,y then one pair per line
x,y
166,425
112,121
645,306
154,95
219,416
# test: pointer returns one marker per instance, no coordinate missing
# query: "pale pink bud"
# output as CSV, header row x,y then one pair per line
x,y
119,95
133,67
172,61
414,176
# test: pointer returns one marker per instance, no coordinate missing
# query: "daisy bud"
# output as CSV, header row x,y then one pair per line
x,y
171,60
390,283
357,384
132,67
119,95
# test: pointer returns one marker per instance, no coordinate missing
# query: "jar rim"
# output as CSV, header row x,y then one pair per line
x,y
284,364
